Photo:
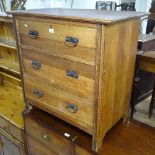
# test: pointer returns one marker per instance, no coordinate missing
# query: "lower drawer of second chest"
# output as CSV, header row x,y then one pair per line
x,y
48,140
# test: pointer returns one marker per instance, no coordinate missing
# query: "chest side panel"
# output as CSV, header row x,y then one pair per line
x,y
116,68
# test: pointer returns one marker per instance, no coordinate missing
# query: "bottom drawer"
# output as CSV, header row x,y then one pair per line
x,y
10,145
81,151
36,148
48,135
44,132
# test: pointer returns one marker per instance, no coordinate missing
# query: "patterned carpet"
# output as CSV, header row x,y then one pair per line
x,y
142,113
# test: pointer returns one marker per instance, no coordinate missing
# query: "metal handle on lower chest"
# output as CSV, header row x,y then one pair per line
x,y
37,93
72,74
45,136
33,34
71,42
72,108
36,64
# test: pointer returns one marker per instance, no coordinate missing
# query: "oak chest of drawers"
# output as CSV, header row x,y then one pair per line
x,y
78,65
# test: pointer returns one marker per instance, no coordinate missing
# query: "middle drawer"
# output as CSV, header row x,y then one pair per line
x,y
73,77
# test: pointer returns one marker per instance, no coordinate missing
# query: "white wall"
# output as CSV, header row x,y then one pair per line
x,y
84,4
32,4
141,5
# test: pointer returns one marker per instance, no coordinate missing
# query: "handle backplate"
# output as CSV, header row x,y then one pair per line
x,y
45,136
36,64
72,74
37,93
33,34
71,42
72,107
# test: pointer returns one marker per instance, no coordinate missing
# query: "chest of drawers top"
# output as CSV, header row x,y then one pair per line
x,y
81,15
71,63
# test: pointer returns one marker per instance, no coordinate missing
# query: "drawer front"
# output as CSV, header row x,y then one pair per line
x,y
11,148
71,108
82,151
48,138
72,41
70,76
34,147
12,129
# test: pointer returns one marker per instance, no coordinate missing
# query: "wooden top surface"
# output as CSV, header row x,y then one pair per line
x,y
85,15
11,100
146,37
147,56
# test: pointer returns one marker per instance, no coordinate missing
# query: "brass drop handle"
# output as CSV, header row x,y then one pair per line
x,y
37,93
72,108
36,64
33,34
45,136
72,74
71,42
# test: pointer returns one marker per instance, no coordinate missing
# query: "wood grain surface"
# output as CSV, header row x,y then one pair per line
x,y
33,145
11,98
86,35
116,67
11,106
8,52
52,140
136,138
146,61
10,147
55,101
56,68
105,64
81,15
54,43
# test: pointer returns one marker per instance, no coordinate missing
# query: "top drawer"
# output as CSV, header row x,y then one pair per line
x,y
75,41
